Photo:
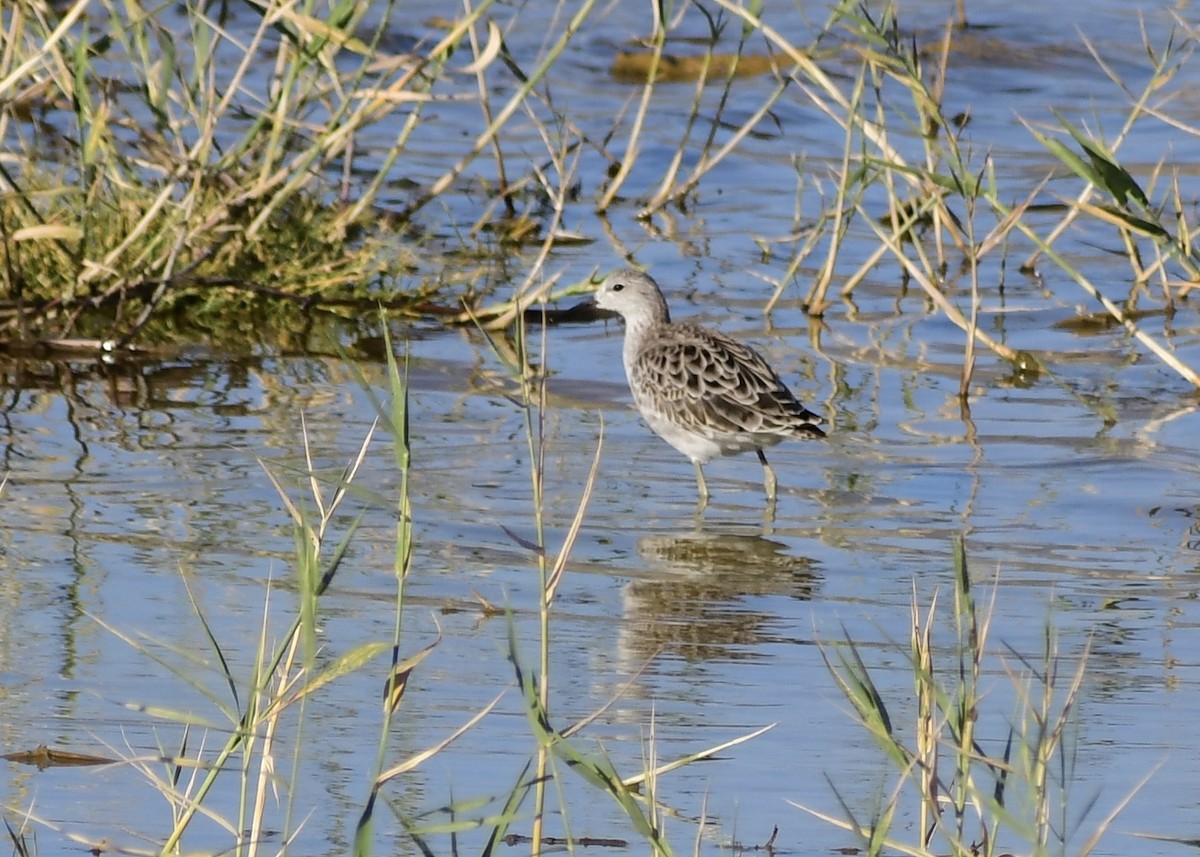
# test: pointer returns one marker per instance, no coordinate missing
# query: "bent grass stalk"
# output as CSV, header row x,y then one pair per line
x,y
633,142
990,799
514,103
635,794
152,249
533,398
946,172
673,189
285,679
175,211
1165,66
189,213
892,240
563,157
276,682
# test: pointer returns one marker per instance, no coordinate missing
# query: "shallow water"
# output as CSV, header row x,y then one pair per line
x,y
1074,490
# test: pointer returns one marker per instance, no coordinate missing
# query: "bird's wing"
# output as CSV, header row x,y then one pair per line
x,y
708,382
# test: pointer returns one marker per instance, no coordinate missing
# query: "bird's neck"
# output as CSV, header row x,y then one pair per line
x,y
636,331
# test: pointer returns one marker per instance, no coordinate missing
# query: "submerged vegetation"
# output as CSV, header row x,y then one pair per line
x,y
206,163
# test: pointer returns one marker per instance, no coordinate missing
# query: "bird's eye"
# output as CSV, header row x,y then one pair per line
x,y
618,286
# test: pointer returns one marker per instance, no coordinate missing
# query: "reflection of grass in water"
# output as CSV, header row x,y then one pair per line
x,y
212,189
144,210
968,801
558,756
262,719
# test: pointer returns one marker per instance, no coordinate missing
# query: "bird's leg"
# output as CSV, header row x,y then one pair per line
x,y
769,518
701,486
769,480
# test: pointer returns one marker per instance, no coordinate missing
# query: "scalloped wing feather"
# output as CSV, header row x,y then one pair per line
x,y
706,382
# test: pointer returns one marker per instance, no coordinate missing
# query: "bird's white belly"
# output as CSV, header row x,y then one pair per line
x,y
705,447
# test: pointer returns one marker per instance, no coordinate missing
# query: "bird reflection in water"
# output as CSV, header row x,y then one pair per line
x,y
693,601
